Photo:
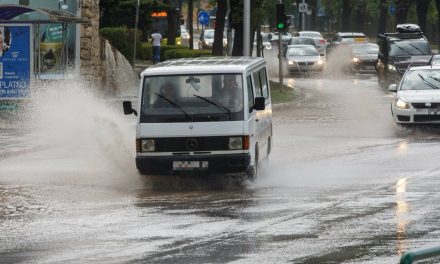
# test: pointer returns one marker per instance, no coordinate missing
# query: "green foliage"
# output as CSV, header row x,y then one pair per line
x,y
146,53
185,53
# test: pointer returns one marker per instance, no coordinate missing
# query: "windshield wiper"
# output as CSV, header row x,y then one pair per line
x,y
428,83
406,51
417,48
176,106
434,78
217,104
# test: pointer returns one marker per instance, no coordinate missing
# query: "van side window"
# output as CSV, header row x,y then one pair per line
x,y
250,92
264,86
257,84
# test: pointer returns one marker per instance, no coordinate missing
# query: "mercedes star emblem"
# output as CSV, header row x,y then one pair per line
x,y
191,144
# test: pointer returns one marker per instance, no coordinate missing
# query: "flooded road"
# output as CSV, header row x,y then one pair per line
x,y
342,185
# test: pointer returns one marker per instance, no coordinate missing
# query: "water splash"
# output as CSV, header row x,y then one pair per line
x,y
74,135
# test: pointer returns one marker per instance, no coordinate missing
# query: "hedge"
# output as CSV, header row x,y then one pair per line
x,y
146,52
185,53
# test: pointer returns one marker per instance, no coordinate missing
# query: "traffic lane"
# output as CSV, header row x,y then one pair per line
x,y
94,213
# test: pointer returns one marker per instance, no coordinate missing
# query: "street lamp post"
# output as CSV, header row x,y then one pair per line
x,y
135,32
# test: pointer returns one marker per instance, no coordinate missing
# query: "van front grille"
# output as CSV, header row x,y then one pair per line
x,y
192,144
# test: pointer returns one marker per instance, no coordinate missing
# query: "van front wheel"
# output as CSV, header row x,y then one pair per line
x,y
252,171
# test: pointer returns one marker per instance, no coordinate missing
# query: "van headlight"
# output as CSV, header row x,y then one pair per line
x,y
236,143
355,59
320,62
291,62
147,145
402,104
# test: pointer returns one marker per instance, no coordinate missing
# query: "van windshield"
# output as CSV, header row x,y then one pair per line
x,y
192,98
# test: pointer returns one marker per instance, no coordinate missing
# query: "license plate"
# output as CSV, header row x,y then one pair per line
x,y
369,67
189,165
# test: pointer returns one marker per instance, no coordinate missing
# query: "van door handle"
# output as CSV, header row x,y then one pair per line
x,y
256,120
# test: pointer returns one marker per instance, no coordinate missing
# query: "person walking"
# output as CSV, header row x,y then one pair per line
x,y
156,37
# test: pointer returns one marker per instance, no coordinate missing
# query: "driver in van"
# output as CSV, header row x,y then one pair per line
x,y
230,94
169,91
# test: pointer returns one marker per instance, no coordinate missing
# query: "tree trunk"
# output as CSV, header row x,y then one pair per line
x,y
361,10
236,16
437,4
383,15
422,13
346,13
402,7
217,47
190,23
172,25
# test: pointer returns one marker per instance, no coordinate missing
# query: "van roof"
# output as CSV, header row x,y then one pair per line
x,y
204,65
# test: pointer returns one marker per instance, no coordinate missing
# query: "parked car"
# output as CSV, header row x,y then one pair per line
x,y
207,39
184,35
435,60
265,40
321,43
203,114
398,51
363,58
285,38
417,98
303,58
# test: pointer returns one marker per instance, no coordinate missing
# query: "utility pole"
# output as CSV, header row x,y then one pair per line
x,y
303,17
135,32
246,27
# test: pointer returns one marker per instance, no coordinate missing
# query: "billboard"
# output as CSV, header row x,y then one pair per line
x,y
15,60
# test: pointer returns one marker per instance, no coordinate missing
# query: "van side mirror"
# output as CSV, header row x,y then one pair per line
x,y
260,103
392,87
128,109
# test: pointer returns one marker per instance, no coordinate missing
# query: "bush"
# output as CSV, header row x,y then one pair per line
x,y
185,53
122,39
146,53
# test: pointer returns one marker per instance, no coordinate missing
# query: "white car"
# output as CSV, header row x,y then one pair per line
x,y
417,98
435,60
303,58
321,43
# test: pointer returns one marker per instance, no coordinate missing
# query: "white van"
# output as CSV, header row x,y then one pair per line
x,y
204,114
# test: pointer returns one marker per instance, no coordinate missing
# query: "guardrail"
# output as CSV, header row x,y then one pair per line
x,y
419,254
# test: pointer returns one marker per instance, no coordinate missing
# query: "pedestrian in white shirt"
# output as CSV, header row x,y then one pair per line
x,y
156,37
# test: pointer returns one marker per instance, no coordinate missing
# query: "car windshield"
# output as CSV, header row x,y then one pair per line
x,y
421,80
436,61
408,48
311,34
209,34
305,51
187,98
302,41
365,49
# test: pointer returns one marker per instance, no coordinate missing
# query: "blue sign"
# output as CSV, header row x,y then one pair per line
x,y
204,18
392,9
15,60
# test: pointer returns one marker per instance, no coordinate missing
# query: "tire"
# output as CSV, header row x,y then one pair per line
x,y
269,146
252,171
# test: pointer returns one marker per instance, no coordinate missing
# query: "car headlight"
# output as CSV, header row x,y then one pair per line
x,y
147,145
402,104
178,42
320,62
391,67
291,62
236,143
355,59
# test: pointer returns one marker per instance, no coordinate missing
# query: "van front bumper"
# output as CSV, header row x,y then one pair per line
x,y
224,163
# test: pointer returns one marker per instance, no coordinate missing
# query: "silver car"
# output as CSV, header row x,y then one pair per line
x,y
321,43
303,58
417,96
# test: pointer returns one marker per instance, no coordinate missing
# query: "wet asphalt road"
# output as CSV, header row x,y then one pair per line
x,y
342,185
